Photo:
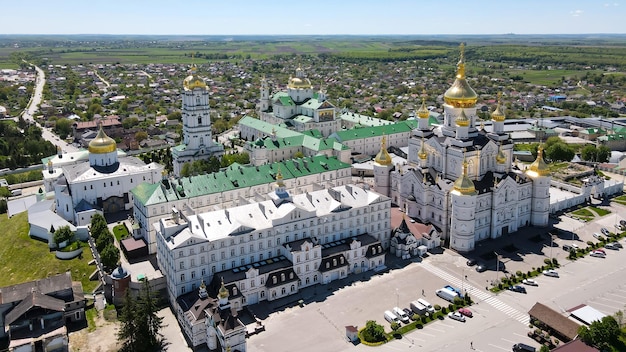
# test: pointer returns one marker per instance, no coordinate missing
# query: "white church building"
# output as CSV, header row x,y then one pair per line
x,y
461,179
101,184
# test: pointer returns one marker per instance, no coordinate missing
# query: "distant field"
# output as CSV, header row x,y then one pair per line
x,y
548,77
24,259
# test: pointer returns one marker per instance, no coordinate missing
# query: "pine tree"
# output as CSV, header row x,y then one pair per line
x,y
140,323
128,317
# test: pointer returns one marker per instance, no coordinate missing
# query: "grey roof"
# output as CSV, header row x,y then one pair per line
x,y
34,299
50,285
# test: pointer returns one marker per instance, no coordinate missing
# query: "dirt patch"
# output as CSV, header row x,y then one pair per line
x,y
102,339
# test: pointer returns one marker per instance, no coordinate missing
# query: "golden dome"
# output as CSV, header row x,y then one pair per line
x,y
102,144
500,158
422,153
192,81
497,114
463,184
422,112
279,178
383,158
460,94
299,82
223,292
538,167
462,120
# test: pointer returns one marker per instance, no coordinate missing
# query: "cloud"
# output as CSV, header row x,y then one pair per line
x,y
613,4
576,13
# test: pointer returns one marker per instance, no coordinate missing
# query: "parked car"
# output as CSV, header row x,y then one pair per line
x,y
598,236
611,246
569,248
598,254
409,313
466,312
401,315
522,347
481,267
617,244
605,231
517,288
471,262
456,316
600,250
530,282
574,245
551,272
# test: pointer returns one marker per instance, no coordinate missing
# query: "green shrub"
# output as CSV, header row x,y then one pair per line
x,y
415,316
395,326
555,262
437,307
547,261
444,310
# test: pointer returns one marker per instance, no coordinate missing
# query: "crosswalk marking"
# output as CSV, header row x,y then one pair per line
x,y
479,295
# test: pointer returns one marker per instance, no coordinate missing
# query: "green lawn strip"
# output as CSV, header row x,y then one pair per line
x,y
25,259
583,212
600,211
120,231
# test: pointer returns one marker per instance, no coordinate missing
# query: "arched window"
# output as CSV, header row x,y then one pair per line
x,y
293,288
282,277
274,280
262,294
283,291
315,278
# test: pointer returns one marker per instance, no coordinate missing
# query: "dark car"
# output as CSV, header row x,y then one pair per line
x,y
517,288
471,262
409,313
522,347
481,267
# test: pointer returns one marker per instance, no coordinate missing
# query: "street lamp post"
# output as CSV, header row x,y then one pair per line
x,y
397,298
551,239
497,266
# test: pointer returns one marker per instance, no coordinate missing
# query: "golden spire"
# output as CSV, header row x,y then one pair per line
x,y
462,120
192,81
460,72
422,112
279,178
223,292
464,185
460,94
383,158
422,153
497,114
538,167
500,158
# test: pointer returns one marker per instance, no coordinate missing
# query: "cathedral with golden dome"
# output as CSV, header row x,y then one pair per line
x,y
197,142
461,178
102,185
300,107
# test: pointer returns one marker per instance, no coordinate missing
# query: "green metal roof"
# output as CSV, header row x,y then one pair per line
x,y
267,128
232,177
365,132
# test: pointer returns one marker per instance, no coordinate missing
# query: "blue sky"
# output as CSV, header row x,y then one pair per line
x,y
232,17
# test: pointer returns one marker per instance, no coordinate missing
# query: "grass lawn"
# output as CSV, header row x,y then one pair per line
x,y
620,200
583,212
24,259
600,211
120,231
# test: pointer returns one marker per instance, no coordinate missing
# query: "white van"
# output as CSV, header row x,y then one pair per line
x,y
401,315
390,317
428,306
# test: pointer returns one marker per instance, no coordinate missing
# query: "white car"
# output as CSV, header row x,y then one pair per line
x,y
598,254
597,235
530,282
552,273
456,316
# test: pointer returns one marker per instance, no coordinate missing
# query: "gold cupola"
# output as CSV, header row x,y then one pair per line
x,y
500,157
462,120
538,167
422,153
102,144
299,81
383,158
422,112
460,94
193,81
497,114
279,178
223,292
464,185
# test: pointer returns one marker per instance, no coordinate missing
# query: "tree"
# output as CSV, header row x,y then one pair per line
x,y
140,322
559,152
141,136
104,239
62,234
63,127
589,153
544,348
604,154
601,333
98,226
373,332
109,256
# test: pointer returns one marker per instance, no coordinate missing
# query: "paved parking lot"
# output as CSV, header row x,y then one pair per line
x,y
500,320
